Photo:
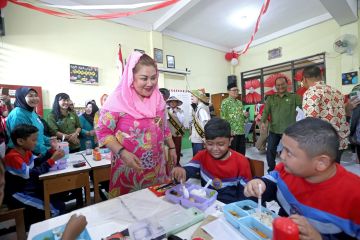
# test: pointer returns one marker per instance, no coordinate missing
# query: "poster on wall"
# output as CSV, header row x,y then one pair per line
x,y
349,78
84,74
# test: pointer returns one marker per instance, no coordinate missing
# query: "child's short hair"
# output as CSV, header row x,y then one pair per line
x,y
217,127
22,131
315,137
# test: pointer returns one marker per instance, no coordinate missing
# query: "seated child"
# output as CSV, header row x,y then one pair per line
x,y
318,194
22,171
74,226
227,168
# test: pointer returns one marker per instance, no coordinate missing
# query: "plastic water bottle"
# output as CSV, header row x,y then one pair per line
x,y
285,229
88,145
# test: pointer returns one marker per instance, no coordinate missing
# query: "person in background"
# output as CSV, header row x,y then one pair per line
x,y
96,116
232,111
5,105
132,124
3,135
74,226
23,169
87,125
175,117
325,102
24,113
281,106
200,116
318,194
63,123
225,167
211,106
165,93
71,106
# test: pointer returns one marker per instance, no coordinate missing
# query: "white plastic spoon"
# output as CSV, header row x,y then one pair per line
x,y
259,200
186,193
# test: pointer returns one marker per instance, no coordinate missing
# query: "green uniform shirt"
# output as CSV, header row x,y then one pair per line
x,y
67,124
282,111
232,111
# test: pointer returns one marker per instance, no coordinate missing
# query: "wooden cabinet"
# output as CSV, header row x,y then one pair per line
x,y
216,100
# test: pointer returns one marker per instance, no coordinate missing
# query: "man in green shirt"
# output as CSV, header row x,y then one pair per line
x,y
281,107
232,111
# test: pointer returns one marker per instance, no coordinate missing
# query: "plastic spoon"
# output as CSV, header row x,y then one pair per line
x,y
259,199
63,137
186,193
207,184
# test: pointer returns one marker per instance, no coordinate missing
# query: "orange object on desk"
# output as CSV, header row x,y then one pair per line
x,y
96,155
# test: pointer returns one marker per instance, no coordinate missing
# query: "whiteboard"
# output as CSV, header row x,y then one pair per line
x,y
185,97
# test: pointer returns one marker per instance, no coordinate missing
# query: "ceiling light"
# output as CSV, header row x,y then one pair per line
x,y
243,19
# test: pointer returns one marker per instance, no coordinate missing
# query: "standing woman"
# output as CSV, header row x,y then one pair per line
x,y
132,125
26,101
63,123
87,125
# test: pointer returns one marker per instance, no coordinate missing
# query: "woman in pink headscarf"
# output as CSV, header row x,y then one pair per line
x,y
132,124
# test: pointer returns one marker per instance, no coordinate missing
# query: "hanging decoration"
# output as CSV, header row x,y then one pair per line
x,y
232,57
121,62
252,91
3,3
269,83
94,17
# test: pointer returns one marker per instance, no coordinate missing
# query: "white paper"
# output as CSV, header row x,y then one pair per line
x,y
219,229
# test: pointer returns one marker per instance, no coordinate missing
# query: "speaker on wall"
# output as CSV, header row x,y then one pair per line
x,y
232,79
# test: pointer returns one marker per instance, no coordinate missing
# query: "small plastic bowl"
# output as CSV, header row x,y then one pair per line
x,y
233,213
253,229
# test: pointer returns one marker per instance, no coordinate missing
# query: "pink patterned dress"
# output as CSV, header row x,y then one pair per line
x,y
143,137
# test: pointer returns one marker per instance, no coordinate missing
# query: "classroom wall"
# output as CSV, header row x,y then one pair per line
x,y
38,49
309,41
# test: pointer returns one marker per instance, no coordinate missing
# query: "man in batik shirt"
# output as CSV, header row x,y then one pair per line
x,y
327,103
232,111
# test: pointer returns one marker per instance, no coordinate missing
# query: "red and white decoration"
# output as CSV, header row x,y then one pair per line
x,y
252,91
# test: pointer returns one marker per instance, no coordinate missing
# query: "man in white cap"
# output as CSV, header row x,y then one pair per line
x,y
175,117
200,116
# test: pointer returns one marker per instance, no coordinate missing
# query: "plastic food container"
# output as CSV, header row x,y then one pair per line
x,y
243,216
175,195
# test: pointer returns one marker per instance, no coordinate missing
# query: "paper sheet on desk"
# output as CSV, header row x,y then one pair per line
x,y
219,229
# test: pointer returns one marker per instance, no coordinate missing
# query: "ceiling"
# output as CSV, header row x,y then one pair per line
x,y
205,22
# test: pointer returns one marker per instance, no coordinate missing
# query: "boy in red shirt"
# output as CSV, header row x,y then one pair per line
x,y
22,171
225,167
318,194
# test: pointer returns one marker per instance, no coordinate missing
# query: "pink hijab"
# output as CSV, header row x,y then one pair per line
x,y
125,99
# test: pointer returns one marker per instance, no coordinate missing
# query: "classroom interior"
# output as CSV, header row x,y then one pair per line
x,y
38,49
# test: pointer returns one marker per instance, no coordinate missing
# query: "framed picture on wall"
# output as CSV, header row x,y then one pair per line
x,y
170,60
349,78
158,55
84,74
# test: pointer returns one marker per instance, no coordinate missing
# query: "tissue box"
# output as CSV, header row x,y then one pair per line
x,y
175,195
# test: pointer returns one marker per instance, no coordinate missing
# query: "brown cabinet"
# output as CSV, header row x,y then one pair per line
x,y
216,100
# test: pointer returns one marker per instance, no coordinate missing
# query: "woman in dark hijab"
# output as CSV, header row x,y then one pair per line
x,y
26,101
64,123
87,125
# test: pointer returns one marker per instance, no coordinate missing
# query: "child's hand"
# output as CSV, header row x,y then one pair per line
x,y
305,229
58,154
179,174
74,227
53,142
252,188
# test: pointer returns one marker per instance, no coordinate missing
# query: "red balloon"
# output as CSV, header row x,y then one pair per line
x,y
228,56
3,3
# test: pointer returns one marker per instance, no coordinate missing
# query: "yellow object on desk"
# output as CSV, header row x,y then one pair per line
x,y
96,155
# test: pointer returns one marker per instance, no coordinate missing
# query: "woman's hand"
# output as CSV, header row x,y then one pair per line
x,y
173,156
131,160
74,227
58,154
